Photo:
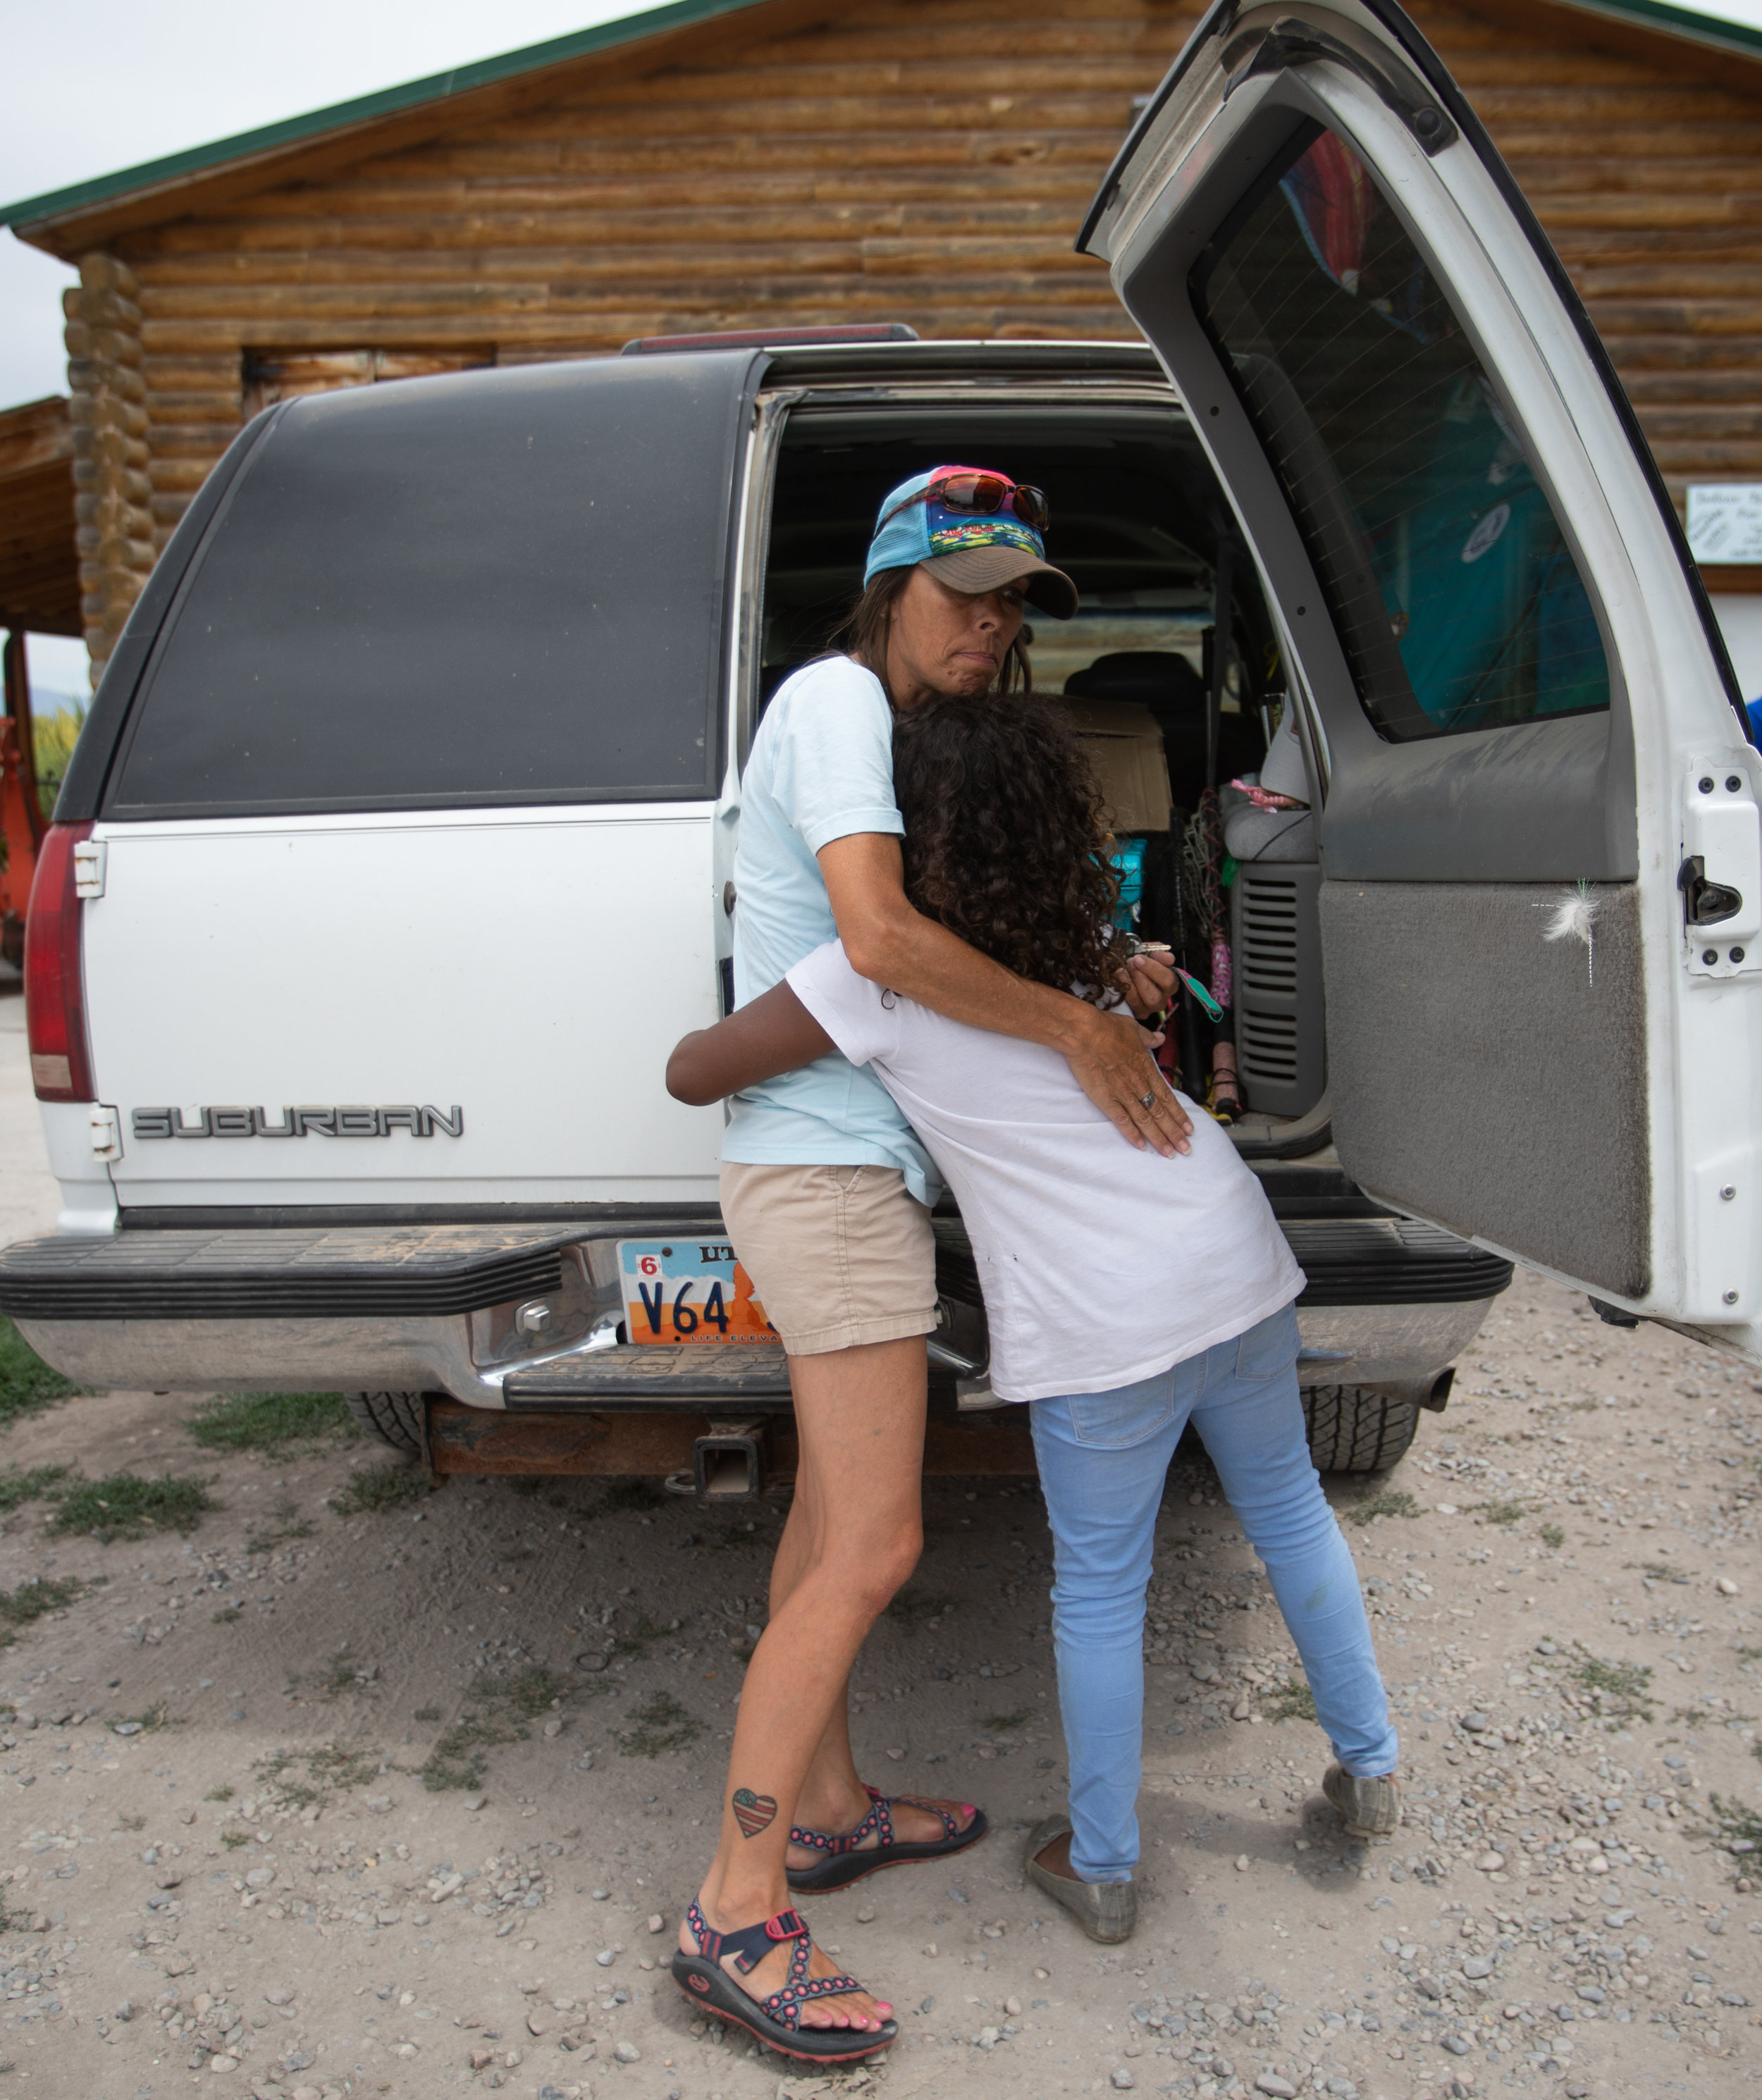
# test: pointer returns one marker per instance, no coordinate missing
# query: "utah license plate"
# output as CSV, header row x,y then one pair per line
x,y
689,1290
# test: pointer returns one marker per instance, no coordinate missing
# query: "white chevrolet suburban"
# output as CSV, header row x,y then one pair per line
x,y
397,853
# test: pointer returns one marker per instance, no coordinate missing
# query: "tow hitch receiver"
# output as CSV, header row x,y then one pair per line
x,y
728,1465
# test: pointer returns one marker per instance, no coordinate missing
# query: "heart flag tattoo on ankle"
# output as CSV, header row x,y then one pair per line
x,y
753,1811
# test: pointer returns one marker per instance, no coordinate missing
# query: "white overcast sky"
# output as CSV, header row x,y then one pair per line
x,y
128,83
135,83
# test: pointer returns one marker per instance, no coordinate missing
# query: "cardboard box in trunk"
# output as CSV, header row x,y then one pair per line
x,y
1123,742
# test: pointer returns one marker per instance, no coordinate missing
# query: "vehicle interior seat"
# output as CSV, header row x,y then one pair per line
x,y
1165,681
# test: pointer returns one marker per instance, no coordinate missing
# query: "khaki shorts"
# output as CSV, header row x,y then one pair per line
x,y
838,1255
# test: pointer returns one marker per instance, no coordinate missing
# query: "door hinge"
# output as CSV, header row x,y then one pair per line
x,y
88,859
1720,873
106,1134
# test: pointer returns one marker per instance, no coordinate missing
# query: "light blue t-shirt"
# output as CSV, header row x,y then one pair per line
x,y
820,769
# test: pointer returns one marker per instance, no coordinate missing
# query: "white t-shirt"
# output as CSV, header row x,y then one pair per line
x,y
1101,1264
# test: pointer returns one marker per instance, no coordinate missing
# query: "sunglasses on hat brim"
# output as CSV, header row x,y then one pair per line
x,y
980,495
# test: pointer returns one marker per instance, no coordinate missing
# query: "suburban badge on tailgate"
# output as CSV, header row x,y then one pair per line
x,y
297,1123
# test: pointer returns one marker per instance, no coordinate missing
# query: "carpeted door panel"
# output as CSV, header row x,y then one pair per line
x,y
1481,1077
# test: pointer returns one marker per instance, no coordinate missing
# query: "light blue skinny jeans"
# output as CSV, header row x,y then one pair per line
x,y
1102,1458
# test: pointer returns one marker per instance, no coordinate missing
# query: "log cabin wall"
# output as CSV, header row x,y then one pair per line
x,y
927,160
107,408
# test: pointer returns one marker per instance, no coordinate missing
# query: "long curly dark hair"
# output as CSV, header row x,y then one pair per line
x,y
1004,843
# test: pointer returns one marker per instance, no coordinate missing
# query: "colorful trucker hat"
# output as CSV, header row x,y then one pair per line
x,y
967,550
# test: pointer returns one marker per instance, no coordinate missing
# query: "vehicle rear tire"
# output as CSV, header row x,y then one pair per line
x,y
1356,1429
393,1417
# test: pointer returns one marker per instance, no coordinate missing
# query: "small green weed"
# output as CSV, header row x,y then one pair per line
x,y
1658,1571
1391,1502
220,1793
1688,1717
621,1495
123,1506
1294,1702
531,1691
30,1600
497,1710
995,1724
131,1823
232,1839
1552,1536
273,1423
149,1723
662,1724
1735,1820
286,1524
426,1713
301,1777
34,1486
1750,1655
27,1384
457,1759
913,1608
340,1673
1501,1512
1619,1690
379,1488
228,1615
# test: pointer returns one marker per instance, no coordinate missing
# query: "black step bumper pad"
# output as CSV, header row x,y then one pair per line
x,y
1390,1261
309,1272
435,1270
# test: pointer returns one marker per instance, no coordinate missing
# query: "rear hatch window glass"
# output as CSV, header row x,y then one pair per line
x,y
1445,571
500,587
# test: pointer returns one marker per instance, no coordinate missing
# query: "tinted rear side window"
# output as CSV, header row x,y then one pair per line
x,y
1449,579
501,588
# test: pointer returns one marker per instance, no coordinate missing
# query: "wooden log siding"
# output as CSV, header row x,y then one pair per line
x,y
107,408
928,161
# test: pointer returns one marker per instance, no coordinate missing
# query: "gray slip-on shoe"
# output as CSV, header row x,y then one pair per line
x,y
1107,1910
1372,1807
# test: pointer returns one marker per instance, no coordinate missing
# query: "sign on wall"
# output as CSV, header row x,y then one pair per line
x,y
1725,520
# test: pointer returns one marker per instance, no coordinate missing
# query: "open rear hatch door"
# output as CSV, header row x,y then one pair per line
x,y
1542,902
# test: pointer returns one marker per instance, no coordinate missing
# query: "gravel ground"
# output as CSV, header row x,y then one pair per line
x,y
224,1856
411,1798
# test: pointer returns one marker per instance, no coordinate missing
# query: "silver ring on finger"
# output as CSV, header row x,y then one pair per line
x,y
1146,1100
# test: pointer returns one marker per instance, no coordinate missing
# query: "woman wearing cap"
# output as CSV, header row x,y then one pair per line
x,y
827,1193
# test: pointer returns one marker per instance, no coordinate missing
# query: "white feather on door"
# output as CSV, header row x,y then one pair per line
x,y
1572,917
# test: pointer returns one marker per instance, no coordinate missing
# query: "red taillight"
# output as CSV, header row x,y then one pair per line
x,y
54,977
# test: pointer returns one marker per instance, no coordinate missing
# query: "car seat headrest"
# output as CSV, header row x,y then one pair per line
x,y
1159,678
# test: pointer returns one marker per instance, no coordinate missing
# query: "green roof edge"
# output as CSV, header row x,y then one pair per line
x,y
608,36
1713,30
434,88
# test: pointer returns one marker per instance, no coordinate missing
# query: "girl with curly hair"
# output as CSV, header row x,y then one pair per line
x,y
1128,1293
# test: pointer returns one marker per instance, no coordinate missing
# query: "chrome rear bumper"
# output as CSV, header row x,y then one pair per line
x,y
466,1309
459,1355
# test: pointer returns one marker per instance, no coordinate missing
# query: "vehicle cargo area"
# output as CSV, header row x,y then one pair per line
x,y
1170,674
